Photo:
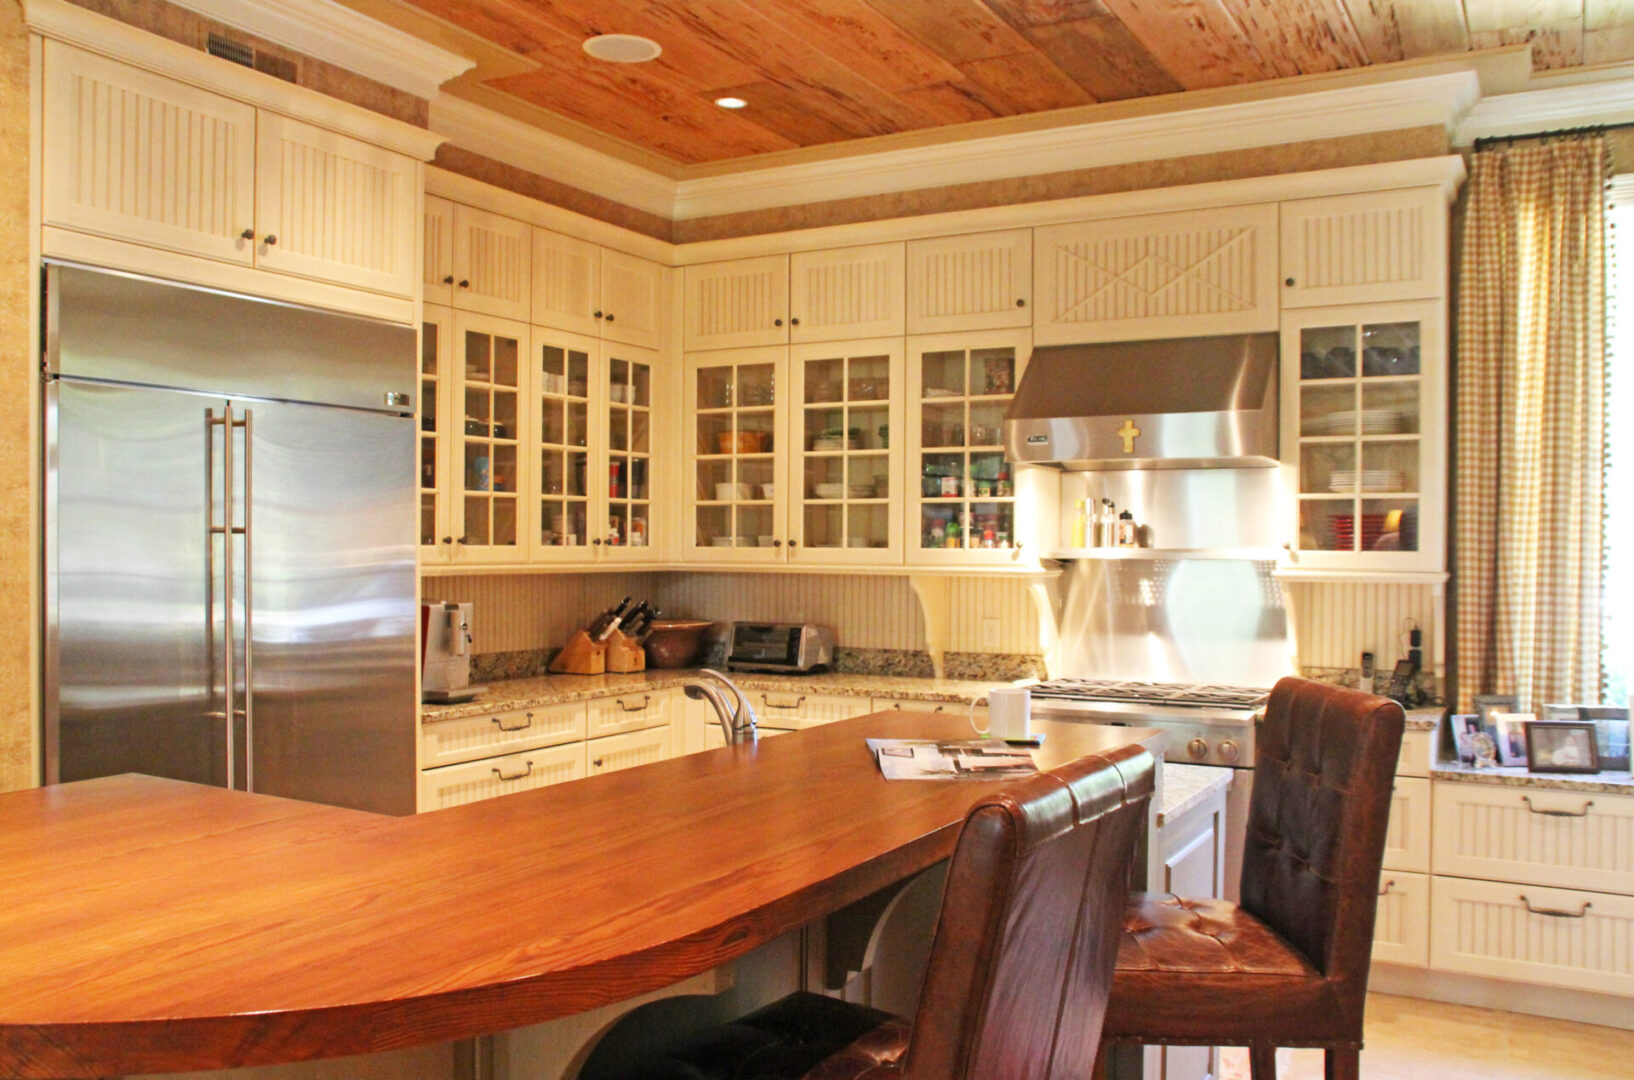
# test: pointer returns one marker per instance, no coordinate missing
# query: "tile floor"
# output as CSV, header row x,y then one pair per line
x,y
1409,1039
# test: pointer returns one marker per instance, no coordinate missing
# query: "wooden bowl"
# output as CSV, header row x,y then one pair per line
x,y
742,442
674,643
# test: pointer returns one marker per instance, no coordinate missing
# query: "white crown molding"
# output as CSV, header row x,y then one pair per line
x,y
61,21
1578,105
340,36
1437,100
502,138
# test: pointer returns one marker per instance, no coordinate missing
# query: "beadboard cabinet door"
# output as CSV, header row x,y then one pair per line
x,y
1364,249
1407,837
616,752
845,293
741,302
632,299
1569,839
566,283
334,209
1558,937
1155,276
1401,930
437,279
139,157
492,257
979,282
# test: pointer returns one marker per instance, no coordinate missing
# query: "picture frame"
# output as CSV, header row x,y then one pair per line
x,y
1511,736
1562,746
1488,704
1474,740
1611,730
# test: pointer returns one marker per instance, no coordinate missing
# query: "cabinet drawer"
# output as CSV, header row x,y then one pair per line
x,y
1571,839
455,785
1561,937
1401,933
631,712
615,752
790,709
940,708
1407,839
1417,751
449,741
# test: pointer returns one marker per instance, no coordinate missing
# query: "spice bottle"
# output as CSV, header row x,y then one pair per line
x,y
1127,534
1080,525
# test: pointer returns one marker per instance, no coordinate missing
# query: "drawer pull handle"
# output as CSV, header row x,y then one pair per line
x,y
646,699
1391,884
1527,799
770,704
940,708
1555,913
515,776
523,726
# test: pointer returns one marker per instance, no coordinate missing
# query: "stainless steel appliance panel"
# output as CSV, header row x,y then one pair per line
x,y
131,635
332,572
101,324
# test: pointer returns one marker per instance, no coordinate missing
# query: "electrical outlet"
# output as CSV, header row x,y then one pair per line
x,y
990,635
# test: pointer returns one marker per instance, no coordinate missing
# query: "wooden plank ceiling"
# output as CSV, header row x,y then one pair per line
x,y
820,72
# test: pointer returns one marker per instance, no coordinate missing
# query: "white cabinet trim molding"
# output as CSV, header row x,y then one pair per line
x,y
326,31
62,21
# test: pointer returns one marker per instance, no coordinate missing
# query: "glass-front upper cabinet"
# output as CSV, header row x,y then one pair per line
x,y
490,365
962,493
846,467
629,374
562,381
1364,435
735,504
436,396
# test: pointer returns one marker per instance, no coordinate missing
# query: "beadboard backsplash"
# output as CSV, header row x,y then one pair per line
x,y
1335,622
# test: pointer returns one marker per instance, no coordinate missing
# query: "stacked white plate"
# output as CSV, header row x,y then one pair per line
x,y
1371,480
830,491
1371,421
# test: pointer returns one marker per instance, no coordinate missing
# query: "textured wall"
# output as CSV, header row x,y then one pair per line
x,y
1337,622
17,550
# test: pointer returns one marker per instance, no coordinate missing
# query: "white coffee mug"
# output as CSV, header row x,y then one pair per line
x,y
1009,713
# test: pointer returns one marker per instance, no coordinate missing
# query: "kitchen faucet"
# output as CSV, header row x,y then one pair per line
x,y
737,720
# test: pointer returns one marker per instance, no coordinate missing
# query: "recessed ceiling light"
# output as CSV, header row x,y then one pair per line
x,y
730,102
622,48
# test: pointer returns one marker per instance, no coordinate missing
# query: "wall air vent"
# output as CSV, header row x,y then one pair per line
x,y
239,53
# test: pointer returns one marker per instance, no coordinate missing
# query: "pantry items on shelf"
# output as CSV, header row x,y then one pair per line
x,y
1080,524
1128,534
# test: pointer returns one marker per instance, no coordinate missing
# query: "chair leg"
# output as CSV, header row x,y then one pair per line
x,y
1262,1062
1343,1063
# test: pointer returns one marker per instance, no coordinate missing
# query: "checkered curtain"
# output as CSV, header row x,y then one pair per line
x,y
1529,393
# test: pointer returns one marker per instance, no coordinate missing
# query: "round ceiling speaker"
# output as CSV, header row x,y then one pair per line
x,y
622,48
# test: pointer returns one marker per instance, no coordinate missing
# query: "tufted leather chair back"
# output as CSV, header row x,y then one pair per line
x,y
1323,775
1021,966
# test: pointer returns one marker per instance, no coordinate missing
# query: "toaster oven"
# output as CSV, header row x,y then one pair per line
x,y
796,648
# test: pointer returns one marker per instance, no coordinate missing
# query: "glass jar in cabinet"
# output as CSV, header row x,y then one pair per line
x,y
1364,436
845,475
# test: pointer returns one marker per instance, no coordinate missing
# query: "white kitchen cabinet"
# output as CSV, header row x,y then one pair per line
x,y
1364,435
506,774
965,503
938,708
505,731
979,282
1554,936
435,420
845,462
742,302
615,752
1407,837
632,712
843,293
138,157
489,427
1570,839
492,264
736,466
794,710
1364,249
587,289
1161,275
1401,926
437,252
1417,753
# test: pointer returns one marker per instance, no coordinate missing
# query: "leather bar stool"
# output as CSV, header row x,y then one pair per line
x,y
1019,970
1288,966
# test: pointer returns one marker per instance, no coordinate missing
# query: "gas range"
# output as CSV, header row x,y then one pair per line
x,y
1207,723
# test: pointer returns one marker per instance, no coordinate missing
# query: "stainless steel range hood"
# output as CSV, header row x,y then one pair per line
x,y
1176,403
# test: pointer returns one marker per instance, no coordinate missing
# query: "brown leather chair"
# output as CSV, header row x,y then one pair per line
x,y
1288,966
1018,974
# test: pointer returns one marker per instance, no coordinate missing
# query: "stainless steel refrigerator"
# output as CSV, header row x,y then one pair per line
x,y
230,542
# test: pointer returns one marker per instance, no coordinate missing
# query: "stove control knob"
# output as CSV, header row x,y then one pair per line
x,y
1229,752
1198,749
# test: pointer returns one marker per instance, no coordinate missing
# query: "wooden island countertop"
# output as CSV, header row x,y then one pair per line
x,y
152,926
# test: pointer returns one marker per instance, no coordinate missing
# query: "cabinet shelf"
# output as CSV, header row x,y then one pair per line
x,y
1116,554
1405,436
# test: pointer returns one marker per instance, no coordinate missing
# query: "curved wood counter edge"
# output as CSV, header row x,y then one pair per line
x,y
108,966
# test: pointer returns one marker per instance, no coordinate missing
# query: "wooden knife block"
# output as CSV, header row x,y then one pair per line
x,y
623,654
581,656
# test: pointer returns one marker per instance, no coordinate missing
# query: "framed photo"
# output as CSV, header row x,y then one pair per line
x,y
1511,736
1488,704
1562,746
1475,740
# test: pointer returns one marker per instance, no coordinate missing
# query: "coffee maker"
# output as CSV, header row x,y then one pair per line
x,y
445,653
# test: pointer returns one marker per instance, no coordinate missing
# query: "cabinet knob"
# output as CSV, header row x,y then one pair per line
x,y
777,322
448,539
248,234
270,240
1288,281
794,543
597,315
777,543
597,541
1021,302
609,316
448,279
794,322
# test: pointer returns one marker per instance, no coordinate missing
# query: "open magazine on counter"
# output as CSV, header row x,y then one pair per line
x,y
951,759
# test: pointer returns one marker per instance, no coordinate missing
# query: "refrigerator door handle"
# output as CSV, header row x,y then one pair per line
x,y
227,530
248,424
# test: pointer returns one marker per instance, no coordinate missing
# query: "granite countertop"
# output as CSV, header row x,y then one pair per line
x,y
1425,719
1613,783
1184,786
560,689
